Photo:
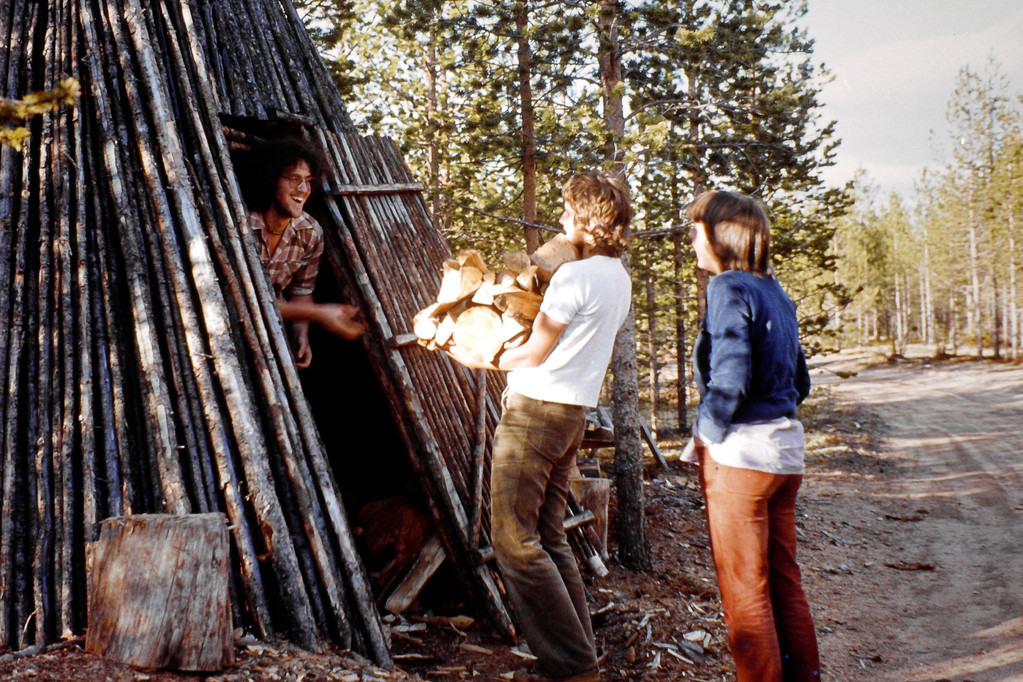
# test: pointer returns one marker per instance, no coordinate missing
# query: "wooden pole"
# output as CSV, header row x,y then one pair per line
x,y
478,457
13,496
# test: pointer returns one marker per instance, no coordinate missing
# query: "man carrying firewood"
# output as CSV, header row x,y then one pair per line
x,y
291,242
553,377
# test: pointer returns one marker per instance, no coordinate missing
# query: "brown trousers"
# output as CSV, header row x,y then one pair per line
x,y
534,450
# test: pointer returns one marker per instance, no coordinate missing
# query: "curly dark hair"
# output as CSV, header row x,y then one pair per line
x,y
275,157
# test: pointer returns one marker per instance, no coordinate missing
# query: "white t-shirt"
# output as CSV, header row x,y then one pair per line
x,y
592,296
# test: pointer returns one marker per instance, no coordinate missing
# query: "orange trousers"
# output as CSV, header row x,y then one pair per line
x,y
752,525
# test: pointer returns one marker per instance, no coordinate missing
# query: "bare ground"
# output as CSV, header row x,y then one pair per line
x,y
911,529
946,499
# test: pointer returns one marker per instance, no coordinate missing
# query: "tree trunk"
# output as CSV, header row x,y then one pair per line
x,y
996,319
632,545
609,61
898,338
953,323
907,313
654,368
1013,314
975,282
927,302
433,148
681,347
525,56
158,592
435,158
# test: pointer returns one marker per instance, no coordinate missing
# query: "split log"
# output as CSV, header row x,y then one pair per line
x,y
520,305
515,261
158,592
459,283
478,332
552,255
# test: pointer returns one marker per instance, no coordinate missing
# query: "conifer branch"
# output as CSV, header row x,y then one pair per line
x,y
15,112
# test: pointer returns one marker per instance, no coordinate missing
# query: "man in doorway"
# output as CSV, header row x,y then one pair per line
x,y
291,242
553,378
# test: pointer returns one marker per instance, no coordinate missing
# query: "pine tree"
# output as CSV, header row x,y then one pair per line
x,y
974,114
1007,192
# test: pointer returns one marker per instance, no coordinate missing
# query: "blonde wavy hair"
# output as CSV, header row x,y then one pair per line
x,y
602,208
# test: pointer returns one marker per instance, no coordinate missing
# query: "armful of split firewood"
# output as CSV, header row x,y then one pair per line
x,y
542,339
488,318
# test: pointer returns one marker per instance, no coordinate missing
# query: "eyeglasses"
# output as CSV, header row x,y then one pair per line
x,y
296,181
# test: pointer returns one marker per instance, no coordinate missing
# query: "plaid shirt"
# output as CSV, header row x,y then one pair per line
x,y
296,260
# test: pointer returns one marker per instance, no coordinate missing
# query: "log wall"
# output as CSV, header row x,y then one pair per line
x,y
392,257
144,364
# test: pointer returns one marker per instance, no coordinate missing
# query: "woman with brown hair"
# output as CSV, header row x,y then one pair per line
x,y
751,373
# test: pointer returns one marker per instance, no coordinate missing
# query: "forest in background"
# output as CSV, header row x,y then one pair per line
x,y
496,104
941,267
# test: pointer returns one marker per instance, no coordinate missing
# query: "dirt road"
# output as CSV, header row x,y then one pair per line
x,y
916,556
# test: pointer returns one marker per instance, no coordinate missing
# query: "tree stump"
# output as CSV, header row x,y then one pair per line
x,y
158,592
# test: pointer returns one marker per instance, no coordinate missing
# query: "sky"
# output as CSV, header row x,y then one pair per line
x,y
895,65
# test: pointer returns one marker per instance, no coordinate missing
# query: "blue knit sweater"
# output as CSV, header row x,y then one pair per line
x,y
748,363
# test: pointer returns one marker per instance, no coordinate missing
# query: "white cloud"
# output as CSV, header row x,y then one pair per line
x,y
925,67
889,177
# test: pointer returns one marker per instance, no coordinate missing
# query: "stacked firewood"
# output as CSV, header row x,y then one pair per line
x,y
484,311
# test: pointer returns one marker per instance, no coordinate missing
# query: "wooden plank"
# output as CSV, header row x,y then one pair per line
x,y
430,558
649,438
402,340
593,494
577,520
478,459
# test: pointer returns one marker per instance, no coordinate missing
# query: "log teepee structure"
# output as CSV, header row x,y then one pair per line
x,y
144,364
